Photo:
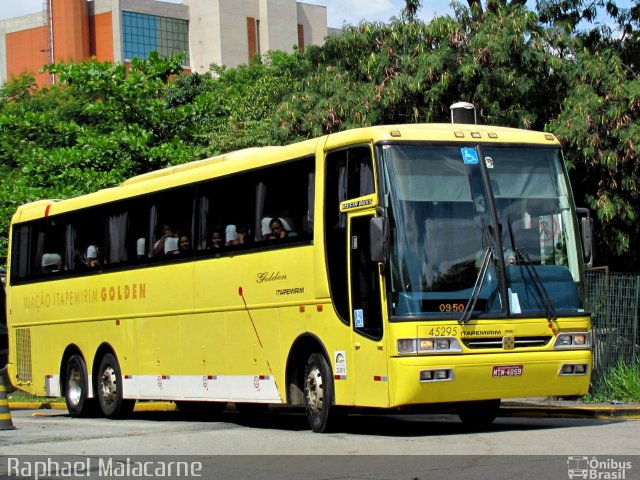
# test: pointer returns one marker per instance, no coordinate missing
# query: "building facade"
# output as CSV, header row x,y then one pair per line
x,y
224,32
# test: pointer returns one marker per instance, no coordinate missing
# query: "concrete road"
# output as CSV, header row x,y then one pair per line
x,y
280,445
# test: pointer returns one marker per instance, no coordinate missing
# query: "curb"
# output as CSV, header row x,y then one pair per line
x,y
598,413
553,411
140,407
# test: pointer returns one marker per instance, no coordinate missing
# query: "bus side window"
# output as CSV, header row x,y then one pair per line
x,y
48,246
84,239
349,174
360,172
285,194
171,217
126,238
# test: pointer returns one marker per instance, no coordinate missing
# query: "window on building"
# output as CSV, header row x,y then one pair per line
x,y
301,38
143,33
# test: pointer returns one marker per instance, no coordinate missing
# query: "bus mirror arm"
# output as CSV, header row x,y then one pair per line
x,y
379,239
586,230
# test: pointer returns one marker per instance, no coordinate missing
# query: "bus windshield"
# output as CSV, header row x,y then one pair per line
x,y
442,230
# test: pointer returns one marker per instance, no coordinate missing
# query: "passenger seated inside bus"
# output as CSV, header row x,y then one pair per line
x,y
286,222
51,263
217,239
93,260
184,246
277,229
230,235
237,235
160,245
171,246
141,245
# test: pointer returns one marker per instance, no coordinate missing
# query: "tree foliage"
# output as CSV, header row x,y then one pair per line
x,y
548,69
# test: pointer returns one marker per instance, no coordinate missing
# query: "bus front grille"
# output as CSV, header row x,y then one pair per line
x,y
497,342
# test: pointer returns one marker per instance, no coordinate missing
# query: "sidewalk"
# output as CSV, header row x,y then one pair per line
x,y
514,407
551,407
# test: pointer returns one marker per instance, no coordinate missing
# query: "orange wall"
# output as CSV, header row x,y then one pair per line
x,y
70,30
28,51
101,34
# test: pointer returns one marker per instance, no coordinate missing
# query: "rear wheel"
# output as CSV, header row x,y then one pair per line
x,y
319,394
76,392
479,414
109,389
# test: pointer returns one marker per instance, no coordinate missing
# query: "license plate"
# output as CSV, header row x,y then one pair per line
x,y
507,370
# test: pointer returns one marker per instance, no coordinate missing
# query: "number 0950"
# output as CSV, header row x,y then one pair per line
x,y
451,307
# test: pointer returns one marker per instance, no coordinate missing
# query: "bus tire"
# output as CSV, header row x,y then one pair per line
x,y
109,389
479,414
319,394
76,392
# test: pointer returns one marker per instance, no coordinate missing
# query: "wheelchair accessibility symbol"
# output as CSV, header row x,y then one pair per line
x,y
469,156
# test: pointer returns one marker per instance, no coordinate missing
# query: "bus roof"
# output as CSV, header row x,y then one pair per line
x,y
249,158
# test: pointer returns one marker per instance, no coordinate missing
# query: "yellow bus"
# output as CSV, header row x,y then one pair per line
x,y
384,267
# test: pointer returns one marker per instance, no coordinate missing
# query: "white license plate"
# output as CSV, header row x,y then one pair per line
x,y
507,370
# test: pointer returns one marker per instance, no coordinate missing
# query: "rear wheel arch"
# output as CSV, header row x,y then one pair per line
x,y
101,351
108,382
75,383
72,349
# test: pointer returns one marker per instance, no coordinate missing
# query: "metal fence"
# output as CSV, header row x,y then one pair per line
x,y
614,300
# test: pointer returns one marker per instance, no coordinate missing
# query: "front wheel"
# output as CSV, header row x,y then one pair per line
x,y
76,392
109,389
479,414
319,394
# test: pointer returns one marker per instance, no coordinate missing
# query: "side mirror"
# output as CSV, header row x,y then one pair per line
x,y
379,239
586,230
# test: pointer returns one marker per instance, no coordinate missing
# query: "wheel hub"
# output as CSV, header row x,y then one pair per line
x,y
74,387
109,385
314,390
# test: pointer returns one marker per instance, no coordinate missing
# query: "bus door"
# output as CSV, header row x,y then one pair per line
x,y
368,348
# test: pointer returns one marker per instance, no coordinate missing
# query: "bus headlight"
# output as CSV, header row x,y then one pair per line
x,y
573,340
408,346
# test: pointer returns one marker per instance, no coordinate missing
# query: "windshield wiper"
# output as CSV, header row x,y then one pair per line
x,y
475,293
523,258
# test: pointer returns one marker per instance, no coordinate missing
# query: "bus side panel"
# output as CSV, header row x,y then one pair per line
x,y
260,294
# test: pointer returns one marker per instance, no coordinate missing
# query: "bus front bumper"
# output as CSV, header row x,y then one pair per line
x,y
455,378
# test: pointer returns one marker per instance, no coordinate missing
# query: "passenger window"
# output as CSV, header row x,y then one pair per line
x,y
237,212
48,247
226,209
127,233
285,201
84,240
171,218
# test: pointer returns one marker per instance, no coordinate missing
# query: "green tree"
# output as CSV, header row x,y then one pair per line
x,y
539,70
412,72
